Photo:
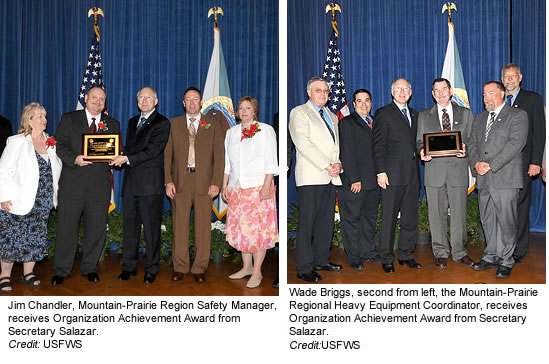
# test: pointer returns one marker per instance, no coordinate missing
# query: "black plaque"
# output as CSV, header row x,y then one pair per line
x,y
100,147
442,144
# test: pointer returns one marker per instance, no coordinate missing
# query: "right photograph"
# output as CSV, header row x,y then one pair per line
x,y
416,142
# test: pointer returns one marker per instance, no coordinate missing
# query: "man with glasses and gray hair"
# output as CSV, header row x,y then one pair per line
x,y
397,168
143,187
314,131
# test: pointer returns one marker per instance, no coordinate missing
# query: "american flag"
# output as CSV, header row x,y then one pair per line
x,y
93,77
92,74
332,74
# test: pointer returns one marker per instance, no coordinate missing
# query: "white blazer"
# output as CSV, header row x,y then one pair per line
x,y
19,173
248,162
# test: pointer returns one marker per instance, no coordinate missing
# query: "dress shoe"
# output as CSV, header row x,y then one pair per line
x,y
503,272
253,282
357,266
330,267
388,268
441,263
518,259
178,276
125,275
241,274
311,276
199,277
57,280
93,277
466,260
484,265
411,263
149,278
275,283
374,259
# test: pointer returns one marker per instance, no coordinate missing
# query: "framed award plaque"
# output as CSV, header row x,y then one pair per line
x,y
442,144
100,147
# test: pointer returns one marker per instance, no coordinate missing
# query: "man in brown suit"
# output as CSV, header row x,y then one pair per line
x,y
193,165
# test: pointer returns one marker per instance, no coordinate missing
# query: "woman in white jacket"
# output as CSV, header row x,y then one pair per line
x,y
250,164
29,175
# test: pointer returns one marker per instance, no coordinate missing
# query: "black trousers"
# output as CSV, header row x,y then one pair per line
x,y
138,210
394,199
358,213
316,225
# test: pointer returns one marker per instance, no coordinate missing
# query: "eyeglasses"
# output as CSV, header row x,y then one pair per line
x,y
145,97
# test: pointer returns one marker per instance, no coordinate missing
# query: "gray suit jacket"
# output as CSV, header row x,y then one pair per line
x,y
450,170
503,148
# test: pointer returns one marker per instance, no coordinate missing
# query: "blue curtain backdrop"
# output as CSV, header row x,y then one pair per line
x,y
165,44
381,40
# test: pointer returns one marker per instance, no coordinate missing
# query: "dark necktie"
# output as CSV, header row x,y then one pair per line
x,y
141,122
489,125
328,126
406,116
93,128
509,99
445,121
369,122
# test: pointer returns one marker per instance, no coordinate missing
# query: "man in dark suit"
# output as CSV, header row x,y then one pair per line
x,y
193,170
143,188
497,139
532,153
84,188
396,161
359,193
446,178
5,132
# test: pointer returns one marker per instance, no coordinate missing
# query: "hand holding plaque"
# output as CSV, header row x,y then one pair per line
x,y
100,147
443,144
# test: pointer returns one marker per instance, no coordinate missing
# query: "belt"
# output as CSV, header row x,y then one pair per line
x,y
191,169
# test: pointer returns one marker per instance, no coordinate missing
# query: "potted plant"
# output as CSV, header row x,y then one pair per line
x,y
220,247
423,229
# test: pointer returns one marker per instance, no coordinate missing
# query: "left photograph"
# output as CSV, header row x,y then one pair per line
x,y
139,146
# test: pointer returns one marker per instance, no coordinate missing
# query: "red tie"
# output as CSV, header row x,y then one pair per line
x,y
93,128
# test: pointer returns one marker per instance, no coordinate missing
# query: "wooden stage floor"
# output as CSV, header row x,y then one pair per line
x,y
531,271
217,281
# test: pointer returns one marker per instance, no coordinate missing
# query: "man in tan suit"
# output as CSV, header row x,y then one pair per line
x,y
314,130
193,165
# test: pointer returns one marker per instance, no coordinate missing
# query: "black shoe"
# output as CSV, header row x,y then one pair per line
x,y
275,283
503,272
126,274
311,276
374,259
388,268
330,267
410,263
357,266
57,280
149,278
518,259
93,277
484,265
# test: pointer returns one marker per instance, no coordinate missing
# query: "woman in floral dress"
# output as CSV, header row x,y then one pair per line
x,y
250,164
29,172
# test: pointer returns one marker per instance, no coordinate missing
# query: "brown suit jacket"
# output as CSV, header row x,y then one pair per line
x,y
209,160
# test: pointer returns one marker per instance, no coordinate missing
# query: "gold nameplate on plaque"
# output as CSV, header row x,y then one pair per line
x,y
442,144
100,147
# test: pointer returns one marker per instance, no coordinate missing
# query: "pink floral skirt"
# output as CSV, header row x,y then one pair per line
x,y
251,223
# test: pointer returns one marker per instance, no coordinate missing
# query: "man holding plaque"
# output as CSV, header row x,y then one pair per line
x,y
143,188
397,168
446,178
497,139
532,154
84,188
193,170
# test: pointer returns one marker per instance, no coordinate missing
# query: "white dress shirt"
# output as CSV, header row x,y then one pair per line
x,y
248,161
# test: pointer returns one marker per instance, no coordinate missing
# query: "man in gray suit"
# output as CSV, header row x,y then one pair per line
x,y
497,139
446,178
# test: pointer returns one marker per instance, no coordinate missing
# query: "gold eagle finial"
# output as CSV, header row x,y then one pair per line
x,y
214,11
95,12
449,6
333,7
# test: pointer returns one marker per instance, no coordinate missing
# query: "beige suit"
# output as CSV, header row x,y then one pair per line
x,y
192,188
315,148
